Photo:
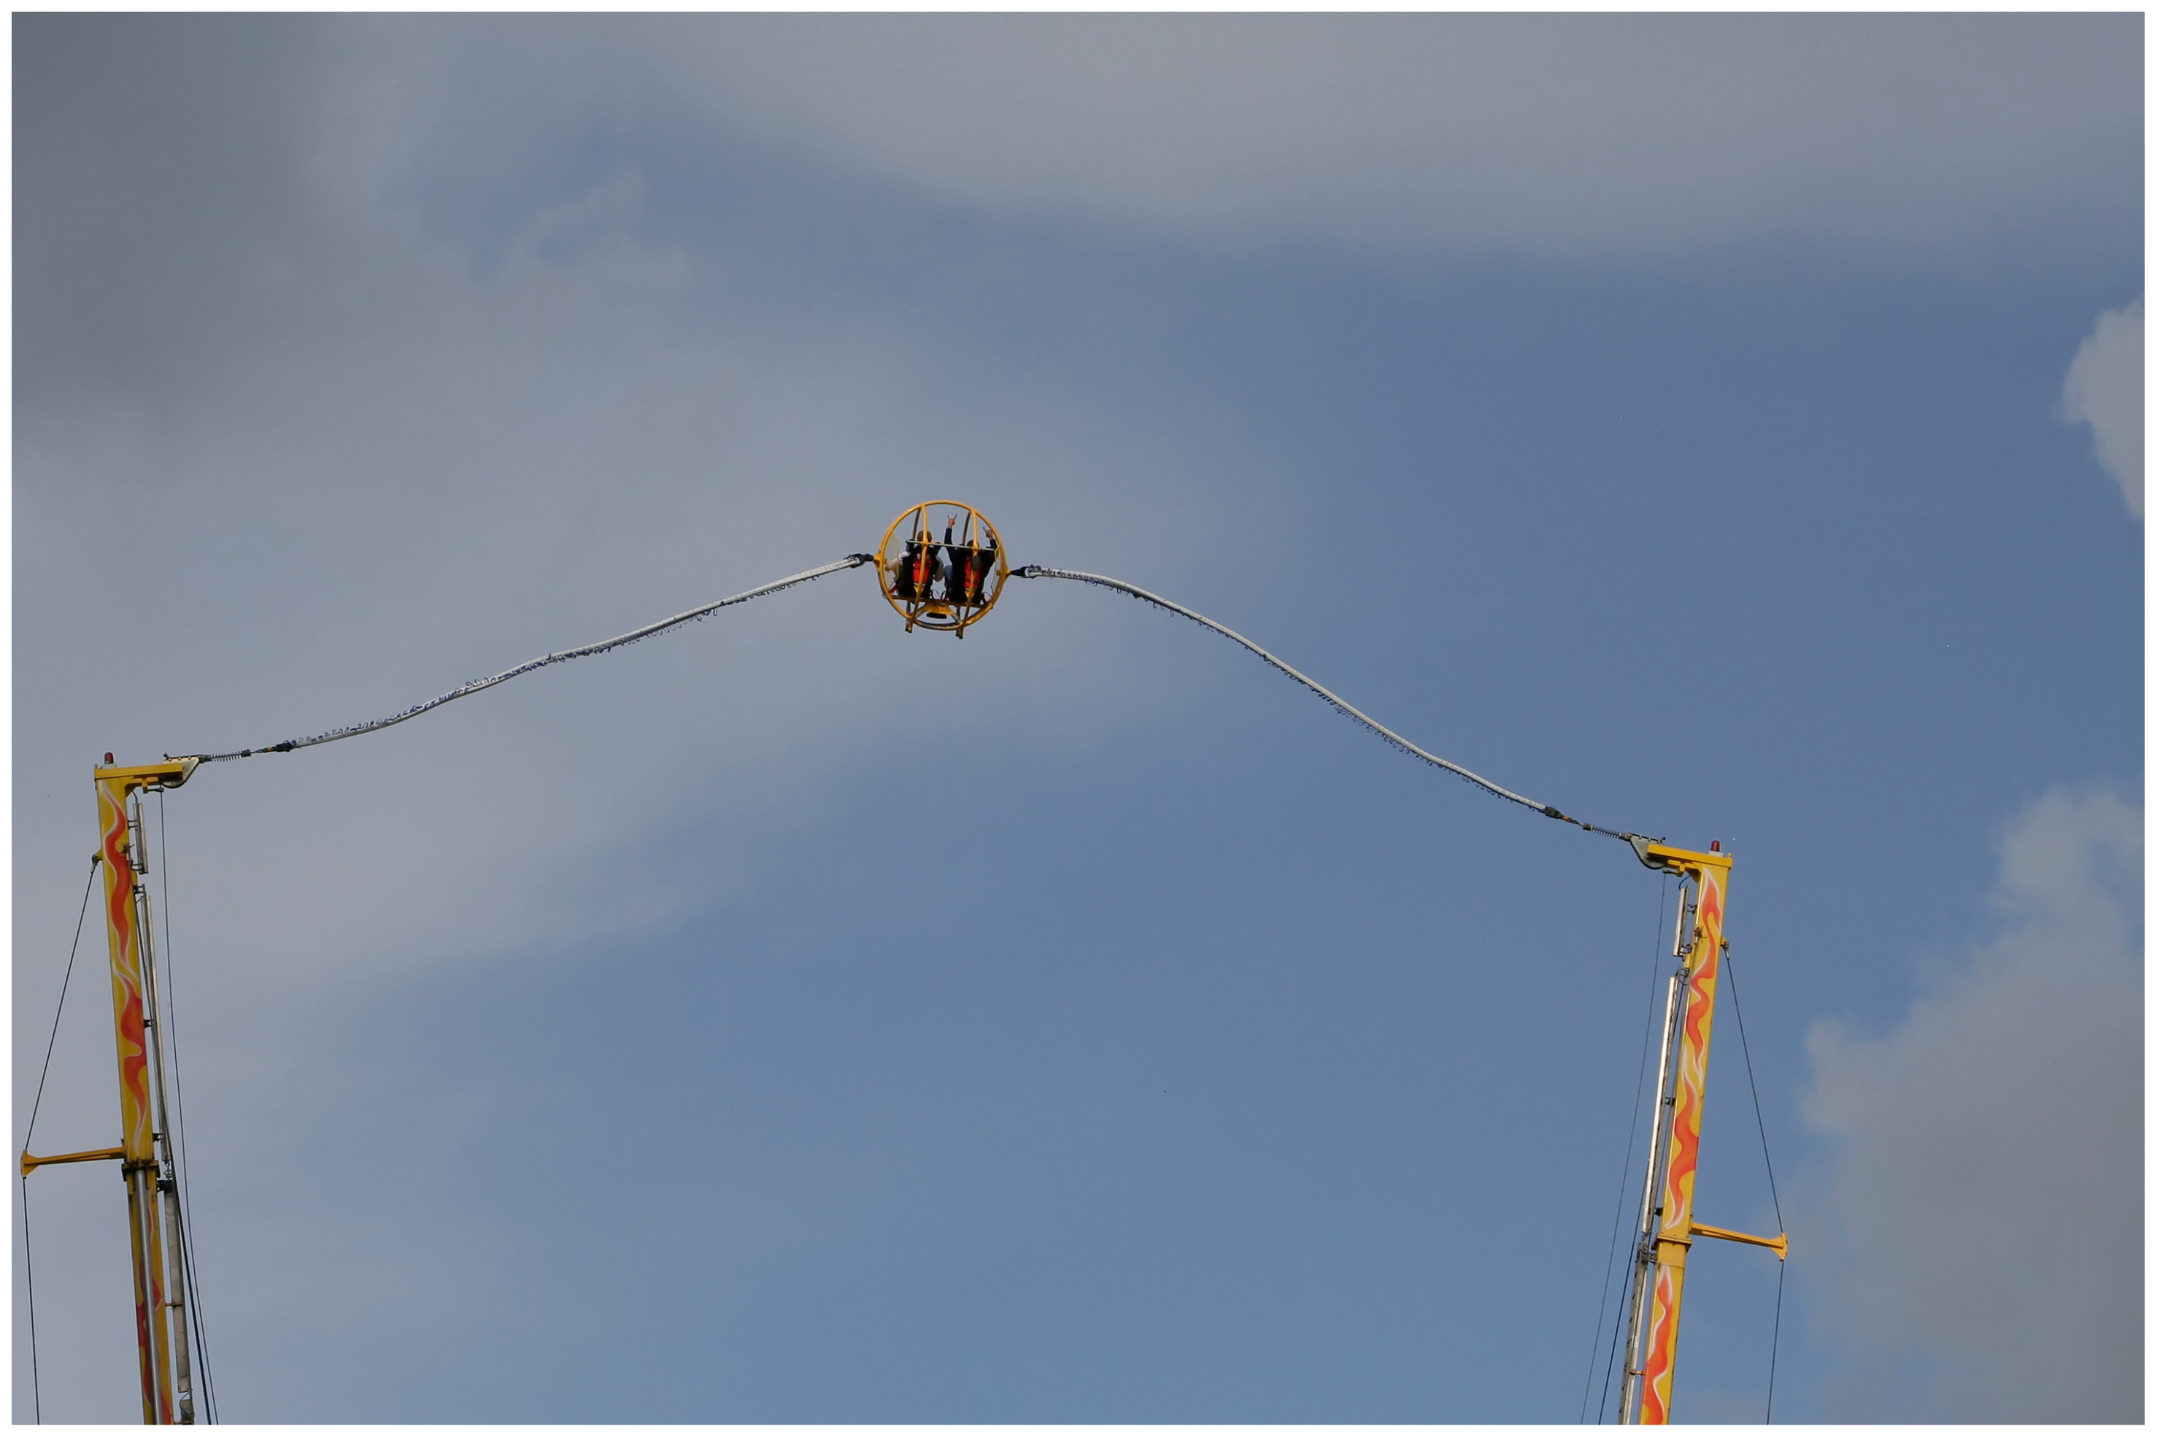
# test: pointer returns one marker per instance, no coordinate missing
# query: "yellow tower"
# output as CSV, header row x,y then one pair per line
x,y
1668,1225
155,1236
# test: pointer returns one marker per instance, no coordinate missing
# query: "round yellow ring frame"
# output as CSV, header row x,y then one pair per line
x,y
909,586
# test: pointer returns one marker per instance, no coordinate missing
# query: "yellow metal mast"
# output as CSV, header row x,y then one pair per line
x,y
145,1150
1669,1226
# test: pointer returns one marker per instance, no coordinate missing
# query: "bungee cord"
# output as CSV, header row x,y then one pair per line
x,y
476,686
1033,572
1025,572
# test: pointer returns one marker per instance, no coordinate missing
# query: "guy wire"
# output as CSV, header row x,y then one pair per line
x,y
80,915
1627,1167
186,1238
1657,963
37,1397
1760,1129
1777,1322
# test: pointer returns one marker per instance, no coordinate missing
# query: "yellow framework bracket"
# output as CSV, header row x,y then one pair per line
x,y
1769,1242
1671,858
31,1162
166,775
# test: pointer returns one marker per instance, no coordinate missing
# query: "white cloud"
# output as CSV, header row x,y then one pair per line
x,y
1987,1191
2106,390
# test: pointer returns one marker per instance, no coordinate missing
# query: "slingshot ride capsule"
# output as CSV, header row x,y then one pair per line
x,y
941,566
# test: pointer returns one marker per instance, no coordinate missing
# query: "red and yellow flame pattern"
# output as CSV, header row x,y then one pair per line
x,y
124,920
1676,1201
125,946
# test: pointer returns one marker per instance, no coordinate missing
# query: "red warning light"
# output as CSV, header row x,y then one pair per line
x,y
108,760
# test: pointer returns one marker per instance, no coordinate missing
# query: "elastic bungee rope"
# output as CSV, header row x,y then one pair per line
x,y
476,686
1025,572
1044,572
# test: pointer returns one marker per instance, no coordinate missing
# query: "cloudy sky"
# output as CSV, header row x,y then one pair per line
x,y
1721,427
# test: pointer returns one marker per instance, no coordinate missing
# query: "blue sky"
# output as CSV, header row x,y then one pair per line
x,y
791,1019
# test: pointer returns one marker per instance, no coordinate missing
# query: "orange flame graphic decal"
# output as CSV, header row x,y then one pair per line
x,y
126,952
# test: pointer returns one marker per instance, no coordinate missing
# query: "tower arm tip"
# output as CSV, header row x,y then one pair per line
x,y
170,774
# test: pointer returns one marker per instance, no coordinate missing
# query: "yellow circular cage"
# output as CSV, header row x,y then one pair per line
x,y
942,565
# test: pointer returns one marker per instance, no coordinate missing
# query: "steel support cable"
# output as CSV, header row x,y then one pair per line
x,y
476,686
37,1397
1034,572
1777,1323
1627,1167
184,1240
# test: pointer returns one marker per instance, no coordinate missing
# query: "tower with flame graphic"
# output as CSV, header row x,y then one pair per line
x,y
157,1239
1668,1226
